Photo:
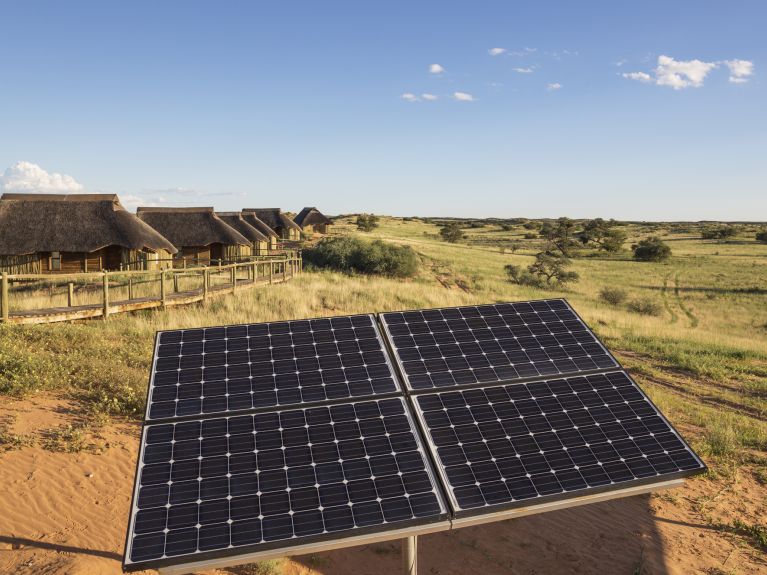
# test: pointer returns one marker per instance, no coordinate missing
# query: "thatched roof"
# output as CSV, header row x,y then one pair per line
x,y
310,217
274,218
253,220
31,223
235,220
191,226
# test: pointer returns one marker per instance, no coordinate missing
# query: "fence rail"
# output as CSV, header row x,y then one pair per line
x,y
102,294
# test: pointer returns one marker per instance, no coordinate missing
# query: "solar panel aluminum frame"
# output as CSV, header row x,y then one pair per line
x,y
379,336
506,510
277,548
409,389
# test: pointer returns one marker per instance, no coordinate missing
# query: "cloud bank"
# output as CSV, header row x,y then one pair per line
x,y
681,74
28,178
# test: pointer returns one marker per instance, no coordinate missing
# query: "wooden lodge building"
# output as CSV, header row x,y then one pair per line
x,y
259,242
72,233
313,220
280,223
198,233
250,217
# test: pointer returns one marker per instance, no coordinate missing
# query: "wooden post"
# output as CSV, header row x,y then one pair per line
x,y
163,295
205,282
271,272
4,303
175,283
70,294
106,295
184,259
233,276
130,287
410,555
255,272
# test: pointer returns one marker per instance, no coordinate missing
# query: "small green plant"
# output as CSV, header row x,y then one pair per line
x,y
530,236
652,249
613,296
644,306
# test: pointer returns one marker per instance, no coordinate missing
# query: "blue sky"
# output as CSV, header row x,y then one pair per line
x,y
650,111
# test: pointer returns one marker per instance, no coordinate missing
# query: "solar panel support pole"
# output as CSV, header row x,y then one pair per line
x,y
4,297
410,555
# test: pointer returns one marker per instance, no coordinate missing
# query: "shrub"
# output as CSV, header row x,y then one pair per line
x,y
530,236
507,227
367,222
613,296
548,270
348,254
514,246
652,249
761,236
531,225
645,306
451,233
719,232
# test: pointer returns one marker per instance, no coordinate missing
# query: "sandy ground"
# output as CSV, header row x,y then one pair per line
x,y
66,513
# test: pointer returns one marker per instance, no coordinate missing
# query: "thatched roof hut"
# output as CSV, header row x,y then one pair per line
x,y
198,233
251,218
258,240
311,219
282,225
42,233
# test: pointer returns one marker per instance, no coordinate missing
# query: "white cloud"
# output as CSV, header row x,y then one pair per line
x,y
740,70
429,97
620,63
132,201
528,70
29,178
463,97
409,97
523,52
436,69
638,76
554,86
496,51
680,74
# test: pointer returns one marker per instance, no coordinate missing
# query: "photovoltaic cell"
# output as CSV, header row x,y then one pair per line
x,y
448,347
504,445
222,369
228,485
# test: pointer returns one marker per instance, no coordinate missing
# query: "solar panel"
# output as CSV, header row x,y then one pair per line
x,y
501,446
439,348
219,370
230,485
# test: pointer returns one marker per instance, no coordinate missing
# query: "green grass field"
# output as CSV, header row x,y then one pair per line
x,y
703,360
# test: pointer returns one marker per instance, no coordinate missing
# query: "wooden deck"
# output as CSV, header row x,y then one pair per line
x,y
96,310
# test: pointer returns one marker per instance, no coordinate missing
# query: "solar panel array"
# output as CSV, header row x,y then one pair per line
x,y
461,346
267,436
506,444
267,365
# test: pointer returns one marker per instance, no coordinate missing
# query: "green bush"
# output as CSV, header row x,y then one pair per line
x,y
613,296
367,222
349,254
530,236
761,236
548,270
451,233
652,249
644,306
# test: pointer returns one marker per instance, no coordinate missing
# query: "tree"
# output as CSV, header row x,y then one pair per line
x,y
561,235
367,222
451,233
603,234
719,233
531,225
515,245
761,236
652,249
548,270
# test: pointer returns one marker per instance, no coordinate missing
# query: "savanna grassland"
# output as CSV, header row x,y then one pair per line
x,y
699,350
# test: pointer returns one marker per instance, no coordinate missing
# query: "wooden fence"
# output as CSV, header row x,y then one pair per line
x,y
30,298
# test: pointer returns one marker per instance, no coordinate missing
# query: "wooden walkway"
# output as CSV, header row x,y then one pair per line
x,y
170,299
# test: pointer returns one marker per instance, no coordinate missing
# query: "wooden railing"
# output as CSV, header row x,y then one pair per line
x,y
105,293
